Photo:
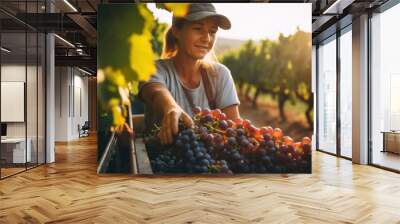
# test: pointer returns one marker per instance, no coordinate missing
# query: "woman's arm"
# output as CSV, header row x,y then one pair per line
x,y
157,97
232,112
226,95
161,101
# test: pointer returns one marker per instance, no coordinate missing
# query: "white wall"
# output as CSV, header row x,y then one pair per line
x,y
16,73
61,103
12,73
80,110
34,124
71,102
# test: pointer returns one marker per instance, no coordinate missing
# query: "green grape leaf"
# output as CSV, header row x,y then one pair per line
x,y
178,9
147,16
160,6
116,23
133,87
142,56
116,111
116,77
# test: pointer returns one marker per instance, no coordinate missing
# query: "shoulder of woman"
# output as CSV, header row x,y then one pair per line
x,y
161,63
164,67
221,71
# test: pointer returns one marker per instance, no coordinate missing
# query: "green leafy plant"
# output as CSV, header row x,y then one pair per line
x,y
128,45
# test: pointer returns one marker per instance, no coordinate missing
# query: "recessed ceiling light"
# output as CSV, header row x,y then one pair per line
x,y
70,5
84,71
5,50
338,6
65,41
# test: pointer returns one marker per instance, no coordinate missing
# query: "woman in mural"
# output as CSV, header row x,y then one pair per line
x,y
186,77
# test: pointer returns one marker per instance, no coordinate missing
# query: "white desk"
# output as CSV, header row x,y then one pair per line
x,y
17,146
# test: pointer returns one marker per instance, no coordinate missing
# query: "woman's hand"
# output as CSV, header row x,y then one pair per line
x,y
169,126
160,100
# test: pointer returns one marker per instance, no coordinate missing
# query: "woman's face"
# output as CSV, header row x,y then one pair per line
x,y
196,39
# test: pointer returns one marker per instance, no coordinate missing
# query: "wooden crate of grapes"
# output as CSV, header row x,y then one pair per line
x,y
218,145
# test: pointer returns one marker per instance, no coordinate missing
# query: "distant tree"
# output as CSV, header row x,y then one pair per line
x,y
301,57
280,68
246,62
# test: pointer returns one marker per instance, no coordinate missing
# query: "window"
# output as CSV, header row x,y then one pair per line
x,y
22,69
385,88
346,93
327,95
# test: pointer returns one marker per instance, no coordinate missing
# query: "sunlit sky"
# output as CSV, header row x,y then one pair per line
x,y
256,20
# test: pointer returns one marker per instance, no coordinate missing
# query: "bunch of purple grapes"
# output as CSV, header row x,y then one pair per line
x,y
196,156
165,162
219,145
187,154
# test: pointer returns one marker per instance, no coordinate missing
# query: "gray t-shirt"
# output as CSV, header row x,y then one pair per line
x,y
223,88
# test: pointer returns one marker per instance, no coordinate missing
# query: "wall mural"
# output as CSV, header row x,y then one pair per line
x,y
201,88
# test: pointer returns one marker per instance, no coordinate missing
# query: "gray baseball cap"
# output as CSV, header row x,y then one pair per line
x,y
198,11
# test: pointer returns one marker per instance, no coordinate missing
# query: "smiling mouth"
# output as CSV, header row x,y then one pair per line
x,y
202,48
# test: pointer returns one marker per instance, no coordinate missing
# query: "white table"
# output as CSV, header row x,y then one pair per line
x,y
18,148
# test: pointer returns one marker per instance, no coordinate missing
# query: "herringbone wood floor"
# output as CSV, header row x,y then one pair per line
x,y
70,191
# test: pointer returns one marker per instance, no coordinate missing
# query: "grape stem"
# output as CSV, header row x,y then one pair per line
x,y
214,129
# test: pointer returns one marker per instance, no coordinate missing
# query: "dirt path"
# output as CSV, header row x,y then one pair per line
x,y
268,114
